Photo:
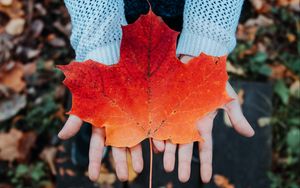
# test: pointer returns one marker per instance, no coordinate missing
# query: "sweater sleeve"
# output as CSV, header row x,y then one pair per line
x,y
96,29
209,26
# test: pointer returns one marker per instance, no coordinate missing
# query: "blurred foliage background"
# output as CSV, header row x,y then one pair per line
x,y
34,37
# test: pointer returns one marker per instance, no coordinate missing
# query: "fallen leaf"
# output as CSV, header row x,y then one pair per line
x,y
149,93
235,70
6,2
15,26
61,171
11,106
295,89
9,143
29,69
241,95
13,78
227,120
13,10
222,182
264,121
106,177
70,172
131,173
260,21
169,185
16,145
293,4
5,185
55,41
48,155
291,37
26,143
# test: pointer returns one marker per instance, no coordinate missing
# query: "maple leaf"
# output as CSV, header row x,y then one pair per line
x,y
149,93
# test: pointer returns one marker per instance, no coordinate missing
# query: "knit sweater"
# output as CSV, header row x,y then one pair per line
x,y
208,26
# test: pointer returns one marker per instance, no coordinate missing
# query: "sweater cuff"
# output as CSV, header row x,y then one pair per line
x,y
108,54
192,44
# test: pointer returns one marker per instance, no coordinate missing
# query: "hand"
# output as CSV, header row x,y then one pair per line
x,y
72,126
205,125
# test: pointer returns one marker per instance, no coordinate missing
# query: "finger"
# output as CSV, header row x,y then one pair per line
x,y
137,158
185,152
119,155
95,152
71,127
205,126
159,145
234,111
169,156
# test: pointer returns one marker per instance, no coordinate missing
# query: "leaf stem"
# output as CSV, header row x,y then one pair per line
x,y
151,163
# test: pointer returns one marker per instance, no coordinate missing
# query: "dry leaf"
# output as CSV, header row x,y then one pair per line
x,y
9,143
131,173
13,78
11,106
291,37
6,2
260,21
222,181
241,95
246,33
48,154
29,69
293,4
264,121
14,10
70,172
227,120
15,26
106,177
16,145
295,89
235,70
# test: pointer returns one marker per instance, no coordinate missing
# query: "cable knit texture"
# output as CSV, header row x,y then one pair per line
x,y
96,29
209,26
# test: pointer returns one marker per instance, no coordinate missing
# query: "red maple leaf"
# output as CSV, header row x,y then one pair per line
x,y
149,93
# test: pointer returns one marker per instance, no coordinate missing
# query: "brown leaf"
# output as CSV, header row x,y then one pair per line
x,y
295,89
6,2
293,4
14,9
5,185
131,173
11,106
222,182
246,33
55,41
29,69
260,6
9,143
26,143
48,155
70,172
280,71
13,77
15,26
241,95
291,37
106,177
16,145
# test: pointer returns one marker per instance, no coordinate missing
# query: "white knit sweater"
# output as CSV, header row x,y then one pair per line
x,y
209,26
